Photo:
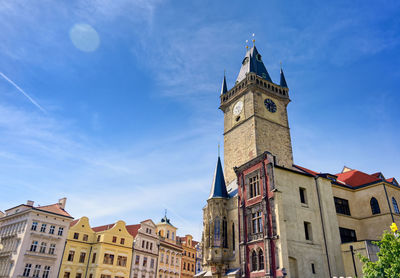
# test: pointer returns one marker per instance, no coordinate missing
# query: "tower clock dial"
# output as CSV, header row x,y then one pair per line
x,y
238,108
270,105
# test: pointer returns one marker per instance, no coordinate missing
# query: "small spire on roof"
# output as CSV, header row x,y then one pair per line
x,y
253,40
247,46
224,88
283,79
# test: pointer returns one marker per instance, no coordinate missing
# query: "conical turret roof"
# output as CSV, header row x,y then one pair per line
x,y
252,62
283,80
224,88
218,188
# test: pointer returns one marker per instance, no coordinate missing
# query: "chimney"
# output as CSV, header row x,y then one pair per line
x,y
62,202
30,203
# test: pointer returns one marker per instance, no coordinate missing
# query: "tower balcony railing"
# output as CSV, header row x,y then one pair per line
x,y
253,79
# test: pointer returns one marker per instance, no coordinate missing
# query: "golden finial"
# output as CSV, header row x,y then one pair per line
x,y
253,40
247,46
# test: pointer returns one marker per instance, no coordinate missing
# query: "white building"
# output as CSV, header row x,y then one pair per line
x,y
145,249
32,240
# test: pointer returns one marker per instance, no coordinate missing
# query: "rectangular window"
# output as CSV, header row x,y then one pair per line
x,y
46,272
82,257
43,228
105,276
122,241
91,275
27,270
34,226
85,237
162,257
167,259
36,271
342,206
66,274
313,268
51,230
78,275
152,263
121,261
43,247
143,243
94,258
144,261
98,238
137,259
114,239
307,230
76,235
347,235
303,198
52,249
147,245
172,260
71,255
256,222
60,231
34,246
108,259
254,186
151,246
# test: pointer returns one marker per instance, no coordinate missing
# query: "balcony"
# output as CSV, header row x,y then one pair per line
x,y
41,255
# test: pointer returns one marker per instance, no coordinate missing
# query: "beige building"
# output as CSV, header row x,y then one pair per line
x,y
170,254
267,217
188,256
32,239
145,249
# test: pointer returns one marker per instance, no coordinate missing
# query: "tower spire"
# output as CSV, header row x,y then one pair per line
x,y
224,88
218,188
283,79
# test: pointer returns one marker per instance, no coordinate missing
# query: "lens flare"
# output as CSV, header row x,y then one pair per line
x,y
84,37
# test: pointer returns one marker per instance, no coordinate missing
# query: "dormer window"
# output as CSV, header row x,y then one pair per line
x,y
258,57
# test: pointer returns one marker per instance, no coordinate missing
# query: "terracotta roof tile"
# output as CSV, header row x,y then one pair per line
x,y
133,229
308,171
73,222
55,208
103,228
356,178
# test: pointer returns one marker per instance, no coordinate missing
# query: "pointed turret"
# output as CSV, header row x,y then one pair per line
x,y
252,63
283,80
218,189
224,88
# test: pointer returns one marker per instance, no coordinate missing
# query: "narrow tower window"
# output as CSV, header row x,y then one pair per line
x,y
233,236
217,232
307,230
396,208
302,192
261,260
224,233
253,261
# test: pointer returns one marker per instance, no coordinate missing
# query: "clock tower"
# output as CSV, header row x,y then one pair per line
x,y
255,116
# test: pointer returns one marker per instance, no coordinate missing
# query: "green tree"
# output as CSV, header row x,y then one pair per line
x,y
388,263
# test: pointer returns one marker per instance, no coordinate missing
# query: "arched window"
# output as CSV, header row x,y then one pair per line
x,y
217,232
375,206
224,233
396,208
260,260
233,236
253,261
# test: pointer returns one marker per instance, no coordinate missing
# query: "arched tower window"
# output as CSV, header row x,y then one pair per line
x,y
260,260
217,232
254,261
375,206
233,236
396,208
224,233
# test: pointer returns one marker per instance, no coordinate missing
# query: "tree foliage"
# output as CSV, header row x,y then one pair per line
x,y
388,263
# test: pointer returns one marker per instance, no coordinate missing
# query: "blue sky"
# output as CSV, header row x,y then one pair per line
x,y
124,117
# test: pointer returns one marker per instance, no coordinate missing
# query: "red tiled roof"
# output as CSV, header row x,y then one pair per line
x,y
356,178
55,208
103,228
73,222
133,229
308,171
194,243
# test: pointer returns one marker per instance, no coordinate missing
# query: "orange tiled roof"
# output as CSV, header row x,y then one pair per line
x,y
55,208
356,178
73,222
103,228
133,229
308,171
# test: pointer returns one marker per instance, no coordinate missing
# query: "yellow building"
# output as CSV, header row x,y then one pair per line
x,y
188,267
100,252
170,254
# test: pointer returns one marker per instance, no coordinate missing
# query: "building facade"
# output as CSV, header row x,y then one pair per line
x,y
170,251
99,252
199,257
188,256
33,239
267,217
145,249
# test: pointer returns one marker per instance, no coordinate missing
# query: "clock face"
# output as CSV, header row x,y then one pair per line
x,y
238,108
270,105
